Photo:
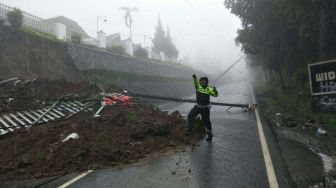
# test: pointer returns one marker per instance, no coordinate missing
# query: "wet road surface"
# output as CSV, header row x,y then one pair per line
x,y
233,159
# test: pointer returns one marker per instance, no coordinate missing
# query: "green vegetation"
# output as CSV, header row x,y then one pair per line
x,y
295,101
141,52
41,35
117,49
106,76
15,18
282,37
163,42
76,38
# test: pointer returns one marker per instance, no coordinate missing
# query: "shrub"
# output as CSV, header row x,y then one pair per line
x,y
76,38
117,49
141,52
15,18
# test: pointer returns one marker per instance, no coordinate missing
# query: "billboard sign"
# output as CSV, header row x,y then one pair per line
x,y
322,77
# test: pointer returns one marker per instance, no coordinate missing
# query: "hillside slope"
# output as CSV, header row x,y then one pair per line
x,y
29,56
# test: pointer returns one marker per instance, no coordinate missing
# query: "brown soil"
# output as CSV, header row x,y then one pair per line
x,y
42,89
121,135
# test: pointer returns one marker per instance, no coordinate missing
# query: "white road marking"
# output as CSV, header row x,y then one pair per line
x,y
75,179
272,180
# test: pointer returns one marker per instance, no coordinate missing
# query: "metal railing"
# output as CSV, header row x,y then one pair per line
x,y
29,20
36,23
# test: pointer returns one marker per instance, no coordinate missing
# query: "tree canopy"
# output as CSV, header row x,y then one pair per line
x,y
15,18
283,35
163,42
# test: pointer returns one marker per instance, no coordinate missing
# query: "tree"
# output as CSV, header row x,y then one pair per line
x,y
159,39
285,35
164,43
141,52
15,18
128,17
171,50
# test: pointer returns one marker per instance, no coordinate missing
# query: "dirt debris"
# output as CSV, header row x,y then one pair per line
x,y
39,89
122,135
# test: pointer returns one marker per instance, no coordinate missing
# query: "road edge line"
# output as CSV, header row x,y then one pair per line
x,y
75,179
272,180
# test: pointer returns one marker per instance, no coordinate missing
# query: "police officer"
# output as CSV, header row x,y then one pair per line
x,y
203,93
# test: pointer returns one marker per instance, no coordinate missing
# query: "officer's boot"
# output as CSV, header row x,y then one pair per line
x,y
209,137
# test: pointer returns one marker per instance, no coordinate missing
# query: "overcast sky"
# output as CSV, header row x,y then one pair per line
x,y
202,25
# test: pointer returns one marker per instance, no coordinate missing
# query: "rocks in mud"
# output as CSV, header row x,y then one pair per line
x,y
122,135
311,124
23,162
176,114
330,178
151,130
284,120
172,143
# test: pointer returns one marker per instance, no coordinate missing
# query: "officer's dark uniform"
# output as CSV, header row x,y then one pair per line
x,y
203,105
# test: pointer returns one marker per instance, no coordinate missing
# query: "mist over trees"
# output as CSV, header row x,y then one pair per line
x,y
283,36
163,42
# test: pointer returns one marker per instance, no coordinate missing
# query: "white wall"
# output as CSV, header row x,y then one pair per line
x,y
101,37
60,31
90,41
128,45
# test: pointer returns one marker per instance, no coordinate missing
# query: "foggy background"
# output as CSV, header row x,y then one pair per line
x,y
203,30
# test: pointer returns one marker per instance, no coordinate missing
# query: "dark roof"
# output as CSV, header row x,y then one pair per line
x,y
71,25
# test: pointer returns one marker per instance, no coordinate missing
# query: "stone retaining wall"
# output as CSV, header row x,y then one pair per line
x,y
87,58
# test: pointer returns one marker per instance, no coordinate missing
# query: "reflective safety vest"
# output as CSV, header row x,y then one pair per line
x,y
203,93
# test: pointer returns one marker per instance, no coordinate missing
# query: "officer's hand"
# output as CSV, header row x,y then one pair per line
x,y
194,75
215,89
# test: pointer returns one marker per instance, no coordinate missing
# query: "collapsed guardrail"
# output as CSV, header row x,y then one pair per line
x,y
27,118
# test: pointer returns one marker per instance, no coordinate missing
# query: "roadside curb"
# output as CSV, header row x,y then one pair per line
x,y
304,166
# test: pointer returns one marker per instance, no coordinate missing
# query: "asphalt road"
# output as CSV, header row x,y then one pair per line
x,y
233,159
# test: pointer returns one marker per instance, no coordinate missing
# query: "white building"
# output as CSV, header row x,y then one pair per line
x,y
101,37
115,40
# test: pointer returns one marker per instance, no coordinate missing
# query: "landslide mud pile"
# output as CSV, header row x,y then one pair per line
x,y
121,135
